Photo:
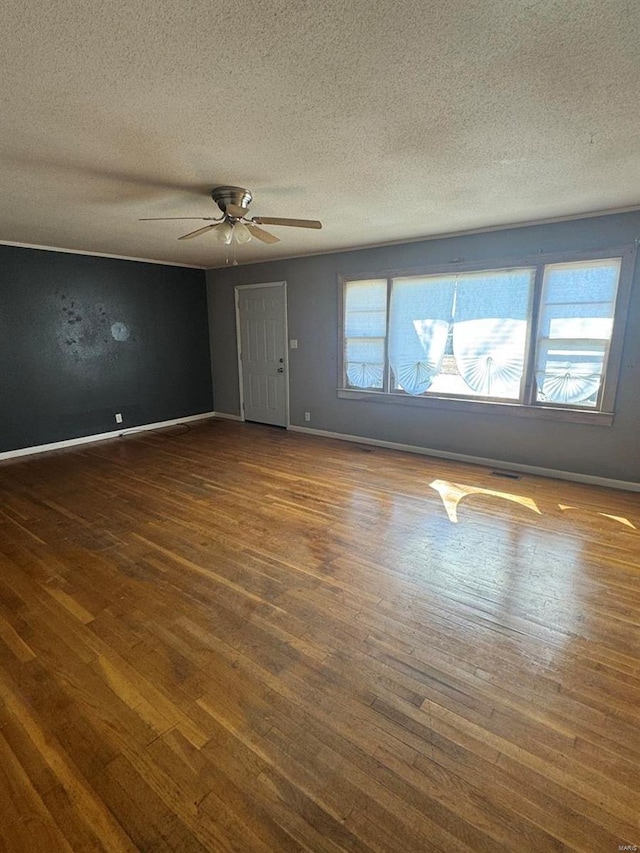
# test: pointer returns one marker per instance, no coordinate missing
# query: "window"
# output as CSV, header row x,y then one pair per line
x,y
365,332
537,335
574,332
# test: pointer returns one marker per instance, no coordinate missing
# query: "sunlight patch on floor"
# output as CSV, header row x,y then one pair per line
x,y
453,493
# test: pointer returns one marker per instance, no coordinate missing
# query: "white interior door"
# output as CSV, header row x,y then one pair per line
x,y
261,315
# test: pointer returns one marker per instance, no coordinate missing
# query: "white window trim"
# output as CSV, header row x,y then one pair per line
x,y
603,416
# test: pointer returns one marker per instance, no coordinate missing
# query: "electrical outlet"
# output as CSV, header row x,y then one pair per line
x,y
118,418
307,416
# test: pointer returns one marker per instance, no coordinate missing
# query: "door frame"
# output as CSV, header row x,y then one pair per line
x,y
236,296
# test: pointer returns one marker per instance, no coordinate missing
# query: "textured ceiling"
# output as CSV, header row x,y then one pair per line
x,y
387,121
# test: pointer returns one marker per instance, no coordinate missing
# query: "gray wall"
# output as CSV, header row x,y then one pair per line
x,y
82,338
313,299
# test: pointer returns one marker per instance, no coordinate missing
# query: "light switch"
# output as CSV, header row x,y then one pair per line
x,y
293,343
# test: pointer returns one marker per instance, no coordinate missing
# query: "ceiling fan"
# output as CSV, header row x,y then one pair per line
x,y
233,227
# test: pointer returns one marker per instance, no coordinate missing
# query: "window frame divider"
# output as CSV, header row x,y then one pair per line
x,y
532,338
386,379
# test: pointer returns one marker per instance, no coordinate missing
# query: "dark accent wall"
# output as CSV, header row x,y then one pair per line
x,y
82,338
313,299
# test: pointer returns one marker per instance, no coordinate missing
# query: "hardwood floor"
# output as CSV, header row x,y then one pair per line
x,y
235,638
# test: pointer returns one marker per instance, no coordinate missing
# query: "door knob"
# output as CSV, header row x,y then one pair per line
x,y
281,370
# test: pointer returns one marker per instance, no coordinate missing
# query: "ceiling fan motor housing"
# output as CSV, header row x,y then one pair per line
x,y
231,195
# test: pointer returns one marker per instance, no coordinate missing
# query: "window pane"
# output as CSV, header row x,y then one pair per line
x,y
365,326
587,281
365,362
574,331
572,371
420,316
490,331
460,334
366,309
581,327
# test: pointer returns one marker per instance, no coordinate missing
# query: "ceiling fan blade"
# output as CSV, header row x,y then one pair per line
x,y
201,218
261,234
236,211
298,223
197,233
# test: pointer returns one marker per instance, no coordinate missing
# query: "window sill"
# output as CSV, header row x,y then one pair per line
x,y
485,407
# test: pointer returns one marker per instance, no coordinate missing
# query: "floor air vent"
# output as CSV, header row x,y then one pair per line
x,y
506,475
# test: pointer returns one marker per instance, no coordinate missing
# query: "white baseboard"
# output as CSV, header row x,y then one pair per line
x,y
228,416
102,436
357,439
478,460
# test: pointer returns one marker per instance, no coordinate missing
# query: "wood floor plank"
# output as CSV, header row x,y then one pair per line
x,y
235,638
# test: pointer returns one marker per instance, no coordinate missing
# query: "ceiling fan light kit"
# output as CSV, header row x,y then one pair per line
x,y
233,228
